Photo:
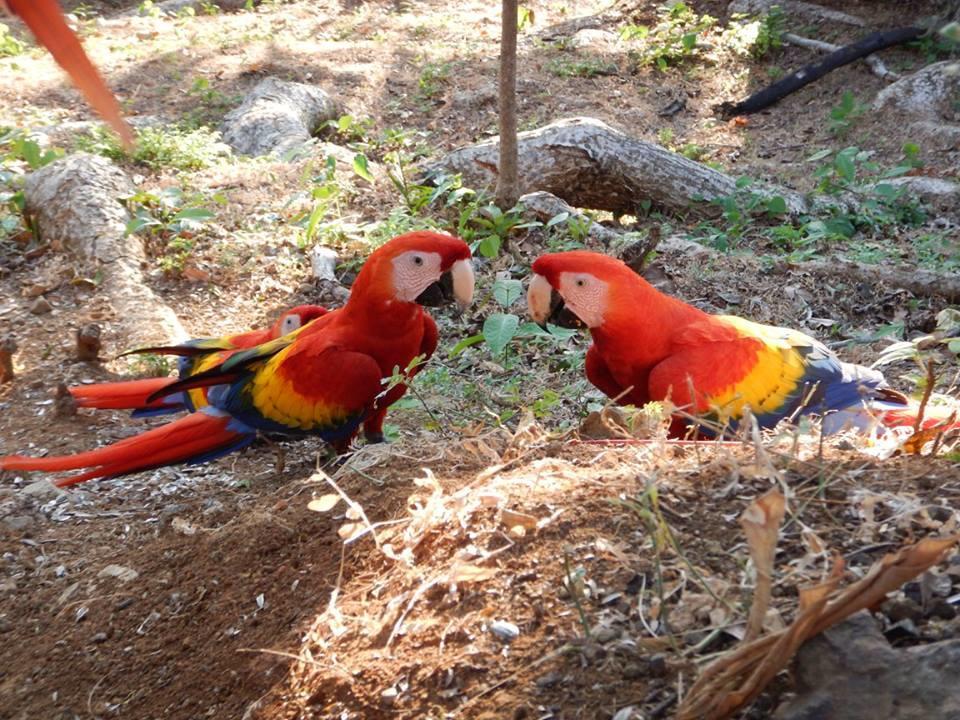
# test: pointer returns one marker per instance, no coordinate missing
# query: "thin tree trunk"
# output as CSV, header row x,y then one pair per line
x,y
507,185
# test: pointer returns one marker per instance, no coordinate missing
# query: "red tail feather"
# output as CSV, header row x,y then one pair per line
x,y
933,416
46,21
188,438
119,395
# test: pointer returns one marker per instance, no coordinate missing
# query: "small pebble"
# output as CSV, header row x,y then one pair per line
x,y
40,306
548,680
100,637
658,666
505,631
606,633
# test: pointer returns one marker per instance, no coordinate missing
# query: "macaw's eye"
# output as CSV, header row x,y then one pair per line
x,y
581,283
417,260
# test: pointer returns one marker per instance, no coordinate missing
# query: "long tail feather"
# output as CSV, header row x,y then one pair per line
x,y
891,413
129,394
46,22
203,435
185,350
906,416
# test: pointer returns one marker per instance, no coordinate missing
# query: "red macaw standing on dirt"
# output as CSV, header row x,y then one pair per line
x,y
324,379
47,23
648,346
195,357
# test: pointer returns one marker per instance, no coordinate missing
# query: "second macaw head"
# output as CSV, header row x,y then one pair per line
x,y
582,283
295,318
48,25
418,267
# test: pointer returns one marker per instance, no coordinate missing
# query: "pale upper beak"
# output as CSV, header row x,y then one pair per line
x,y
463,281
49,26
539,299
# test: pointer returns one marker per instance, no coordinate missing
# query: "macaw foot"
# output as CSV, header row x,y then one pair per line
x,y
375,437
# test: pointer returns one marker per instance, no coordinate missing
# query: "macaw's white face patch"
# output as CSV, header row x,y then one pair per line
x,y
413,272
585,295
290,323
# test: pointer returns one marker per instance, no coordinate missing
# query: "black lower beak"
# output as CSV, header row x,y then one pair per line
x,y
439,293
560,315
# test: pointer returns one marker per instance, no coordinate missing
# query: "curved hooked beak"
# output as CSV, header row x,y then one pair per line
x,y
463,281
540,300
455,284
49,26
546,305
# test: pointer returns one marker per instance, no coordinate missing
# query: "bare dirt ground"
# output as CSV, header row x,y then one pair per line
x,y
512,571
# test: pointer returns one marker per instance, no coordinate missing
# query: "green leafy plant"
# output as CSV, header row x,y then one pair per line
x,y
326,193
211,103
432,79
843,116
495,227
501,328
9,45
170,222
18,153
672,40
769,33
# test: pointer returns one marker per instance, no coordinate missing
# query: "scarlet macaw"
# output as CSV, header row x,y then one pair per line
x,y
648,346
324,379
47,23
195,356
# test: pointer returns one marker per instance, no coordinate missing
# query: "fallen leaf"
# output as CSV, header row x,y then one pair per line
x,y
465,572
324,503
513,518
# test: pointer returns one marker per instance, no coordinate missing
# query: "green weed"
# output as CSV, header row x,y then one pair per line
x,y
9,45
672,40
161,147
585,67
170,221
844,115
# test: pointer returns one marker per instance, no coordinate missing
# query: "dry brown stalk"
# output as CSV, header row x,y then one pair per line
x,y
761,524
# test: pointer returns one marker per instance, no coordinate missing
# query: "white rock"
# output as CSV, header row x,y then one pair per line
x,y
324,259
121,573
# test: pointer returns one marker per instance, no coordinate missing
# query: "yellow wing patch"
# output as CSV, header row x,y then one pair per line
x,y
276,398
776,375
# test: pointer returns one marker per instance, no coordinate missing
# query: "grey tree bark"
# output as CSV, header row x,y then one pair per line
x,y
507,179
589,164
277,117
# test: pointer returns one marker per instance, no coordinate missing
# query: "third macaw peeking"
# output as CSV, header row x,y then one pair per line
x,y
47,23
324,379
648,346
195,356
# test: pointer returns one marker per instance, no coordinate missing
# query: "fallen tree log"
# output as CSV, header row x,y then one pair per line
x,y
917,280
589,164
810,73
74,203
